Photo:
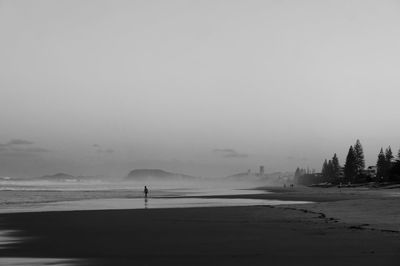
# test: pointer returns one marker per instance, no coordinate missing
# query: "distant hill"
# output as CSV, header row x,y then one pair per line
x,y
155,174
58,176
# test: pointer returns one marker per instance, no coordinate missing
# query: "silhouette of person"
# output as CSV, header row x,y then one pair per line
x,y
146,191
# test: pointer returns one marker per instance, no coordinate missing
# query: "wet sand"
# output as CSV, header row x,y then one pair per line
x,y
374,209
198,236
341,227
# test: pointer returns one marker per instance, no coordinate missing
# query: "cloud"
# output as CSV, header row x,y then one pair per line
x,y
19,142
230,153
99,149
225,150
18,146
235,155
106,151
16,142
31,149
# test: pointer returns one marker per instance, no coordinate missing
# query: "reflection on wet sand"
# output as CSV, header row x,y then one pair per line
x,y
39,262
137,203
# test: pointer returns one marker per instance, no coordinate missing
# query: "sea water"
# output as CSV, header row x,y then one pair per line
x,y
38,196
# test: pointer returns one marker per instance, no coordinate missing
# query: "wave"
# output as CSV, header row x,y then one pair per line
x,y
69,185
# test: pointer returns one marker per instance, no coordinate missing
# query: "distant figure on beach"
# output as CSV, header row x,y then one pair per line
x,y
146,191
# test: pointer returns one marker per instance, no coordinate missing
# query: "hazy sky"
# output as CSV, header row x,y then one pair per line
x,y
200,87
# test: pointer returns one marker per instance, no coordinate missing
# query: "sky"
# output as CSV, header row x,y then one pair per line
x,y
208,88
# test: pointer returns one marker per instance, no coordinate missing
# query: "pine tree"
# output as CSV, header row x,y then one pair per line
x,y
398,156
350,167
381,165
335,168
360,161
396,168
389,155
388,158
329,170
324,169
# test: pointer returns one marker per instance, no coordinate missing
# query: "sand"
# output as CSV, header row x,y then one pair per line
x,y
374,209
258,235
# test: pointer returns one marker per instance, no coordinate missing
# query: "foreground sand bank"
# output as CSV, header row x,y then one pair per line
x,y
341,227
198,236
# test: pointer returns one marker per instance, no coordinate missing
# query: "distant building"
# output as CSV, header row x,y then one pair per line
x,y
262,170
370,171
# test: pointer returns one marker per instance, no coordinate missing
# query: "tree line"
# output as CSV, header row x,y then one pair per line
x,y
387,169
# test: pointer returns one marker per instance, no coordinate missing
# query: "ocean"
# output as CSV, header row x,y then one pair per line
x,y
44,195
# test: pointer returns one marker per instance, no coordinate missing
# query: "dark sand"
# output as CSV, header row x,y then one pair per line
x,y
199,236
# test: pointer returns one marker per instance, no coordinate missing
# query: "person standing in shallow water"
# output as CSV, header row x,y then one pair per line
x,y
146,200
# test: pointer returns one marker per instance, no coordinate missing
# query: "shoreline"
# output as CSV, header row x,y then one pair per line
x,y
349,227
372,208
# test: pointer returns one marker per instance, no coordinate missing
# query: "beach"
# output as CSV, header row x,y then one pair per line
x,y
257,235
